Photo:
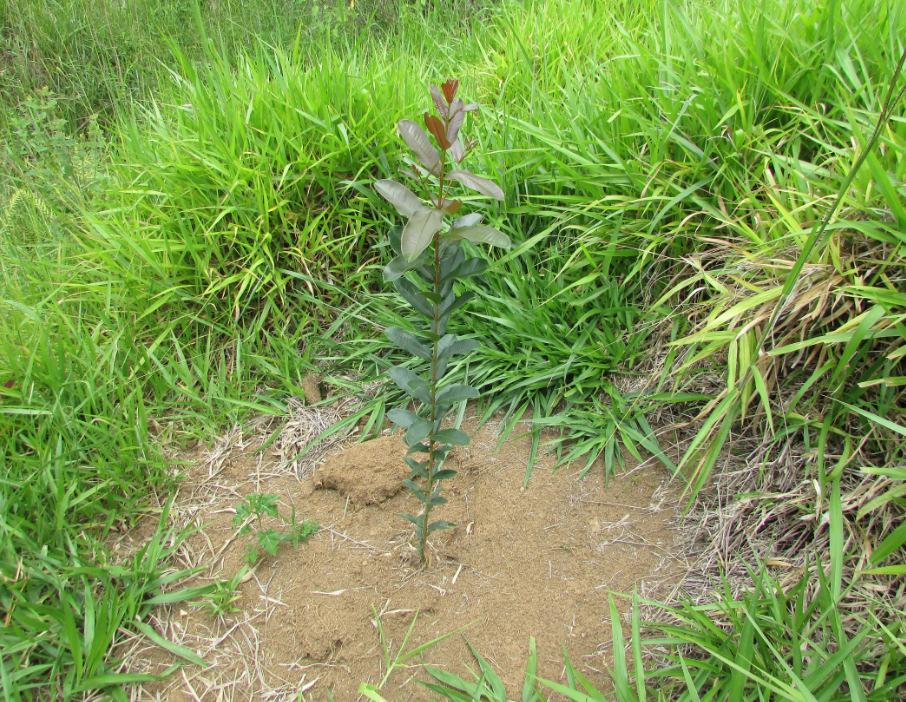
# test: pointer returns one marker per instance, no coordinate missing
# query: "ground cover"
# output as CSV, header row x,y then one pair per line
x,y
522,562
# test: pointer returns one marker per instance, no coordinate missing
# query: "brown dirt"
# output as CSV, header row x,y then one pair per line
x,y
366,474
521,562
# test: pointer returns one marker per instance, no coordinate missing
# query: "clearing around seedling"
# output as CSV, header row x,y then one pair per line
x,y
537,561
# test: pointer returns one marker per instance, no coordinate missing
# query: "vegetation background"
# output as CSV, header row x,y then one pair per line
x,y
187,228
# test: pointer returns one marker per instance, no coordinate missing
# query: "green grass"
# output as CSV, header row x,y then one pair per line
x,y
187,227
776,643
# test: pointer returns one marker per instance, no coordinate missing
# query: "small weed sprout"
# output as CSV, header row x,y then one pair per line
x,y
429,260
249,519
224,594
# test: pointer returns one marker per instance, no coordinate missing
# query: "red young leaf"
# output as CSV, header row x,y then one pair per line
x,y
451,207
436,127
449,88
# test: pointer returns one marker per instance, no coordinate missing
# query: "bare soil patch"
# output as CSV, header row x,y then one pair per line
x,y
539,562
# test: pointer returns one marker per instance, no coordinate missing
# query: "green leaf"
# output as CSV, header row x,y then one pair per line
x,y
414,296
451,260
483,234
452,436
269,540
410,383
471,267
408,342
174,648
477,183
417,140
453,303
894,541
402,417
371,693
445,474
619,670
871,416
300,533
439,525
530,680
469,220
418,469
414,488
396,268
394,236
404,200
456,393
418,432
419,231
451,345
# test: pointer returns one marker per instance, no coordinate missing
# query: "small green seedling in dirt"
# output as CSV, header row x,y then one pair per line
x,y
429,260
249,518
224,594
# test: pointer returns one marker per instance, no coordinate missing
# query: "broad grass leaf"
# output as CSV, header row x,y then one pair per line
x,y
894,541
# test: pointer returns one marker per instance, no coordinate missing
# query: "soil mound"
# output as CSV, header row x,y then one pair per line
x,y
368,473
537,561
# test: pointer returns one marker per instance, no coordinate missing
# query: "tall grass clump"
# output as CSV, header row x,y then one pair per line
x,y
100,55
79,459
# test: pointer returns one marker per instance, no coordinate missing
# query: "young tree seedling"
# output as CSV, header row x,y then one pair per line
x,y
429,260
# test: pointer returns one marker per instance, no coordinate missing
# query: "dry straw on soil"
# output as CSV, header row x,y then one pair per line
x,y
535,562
